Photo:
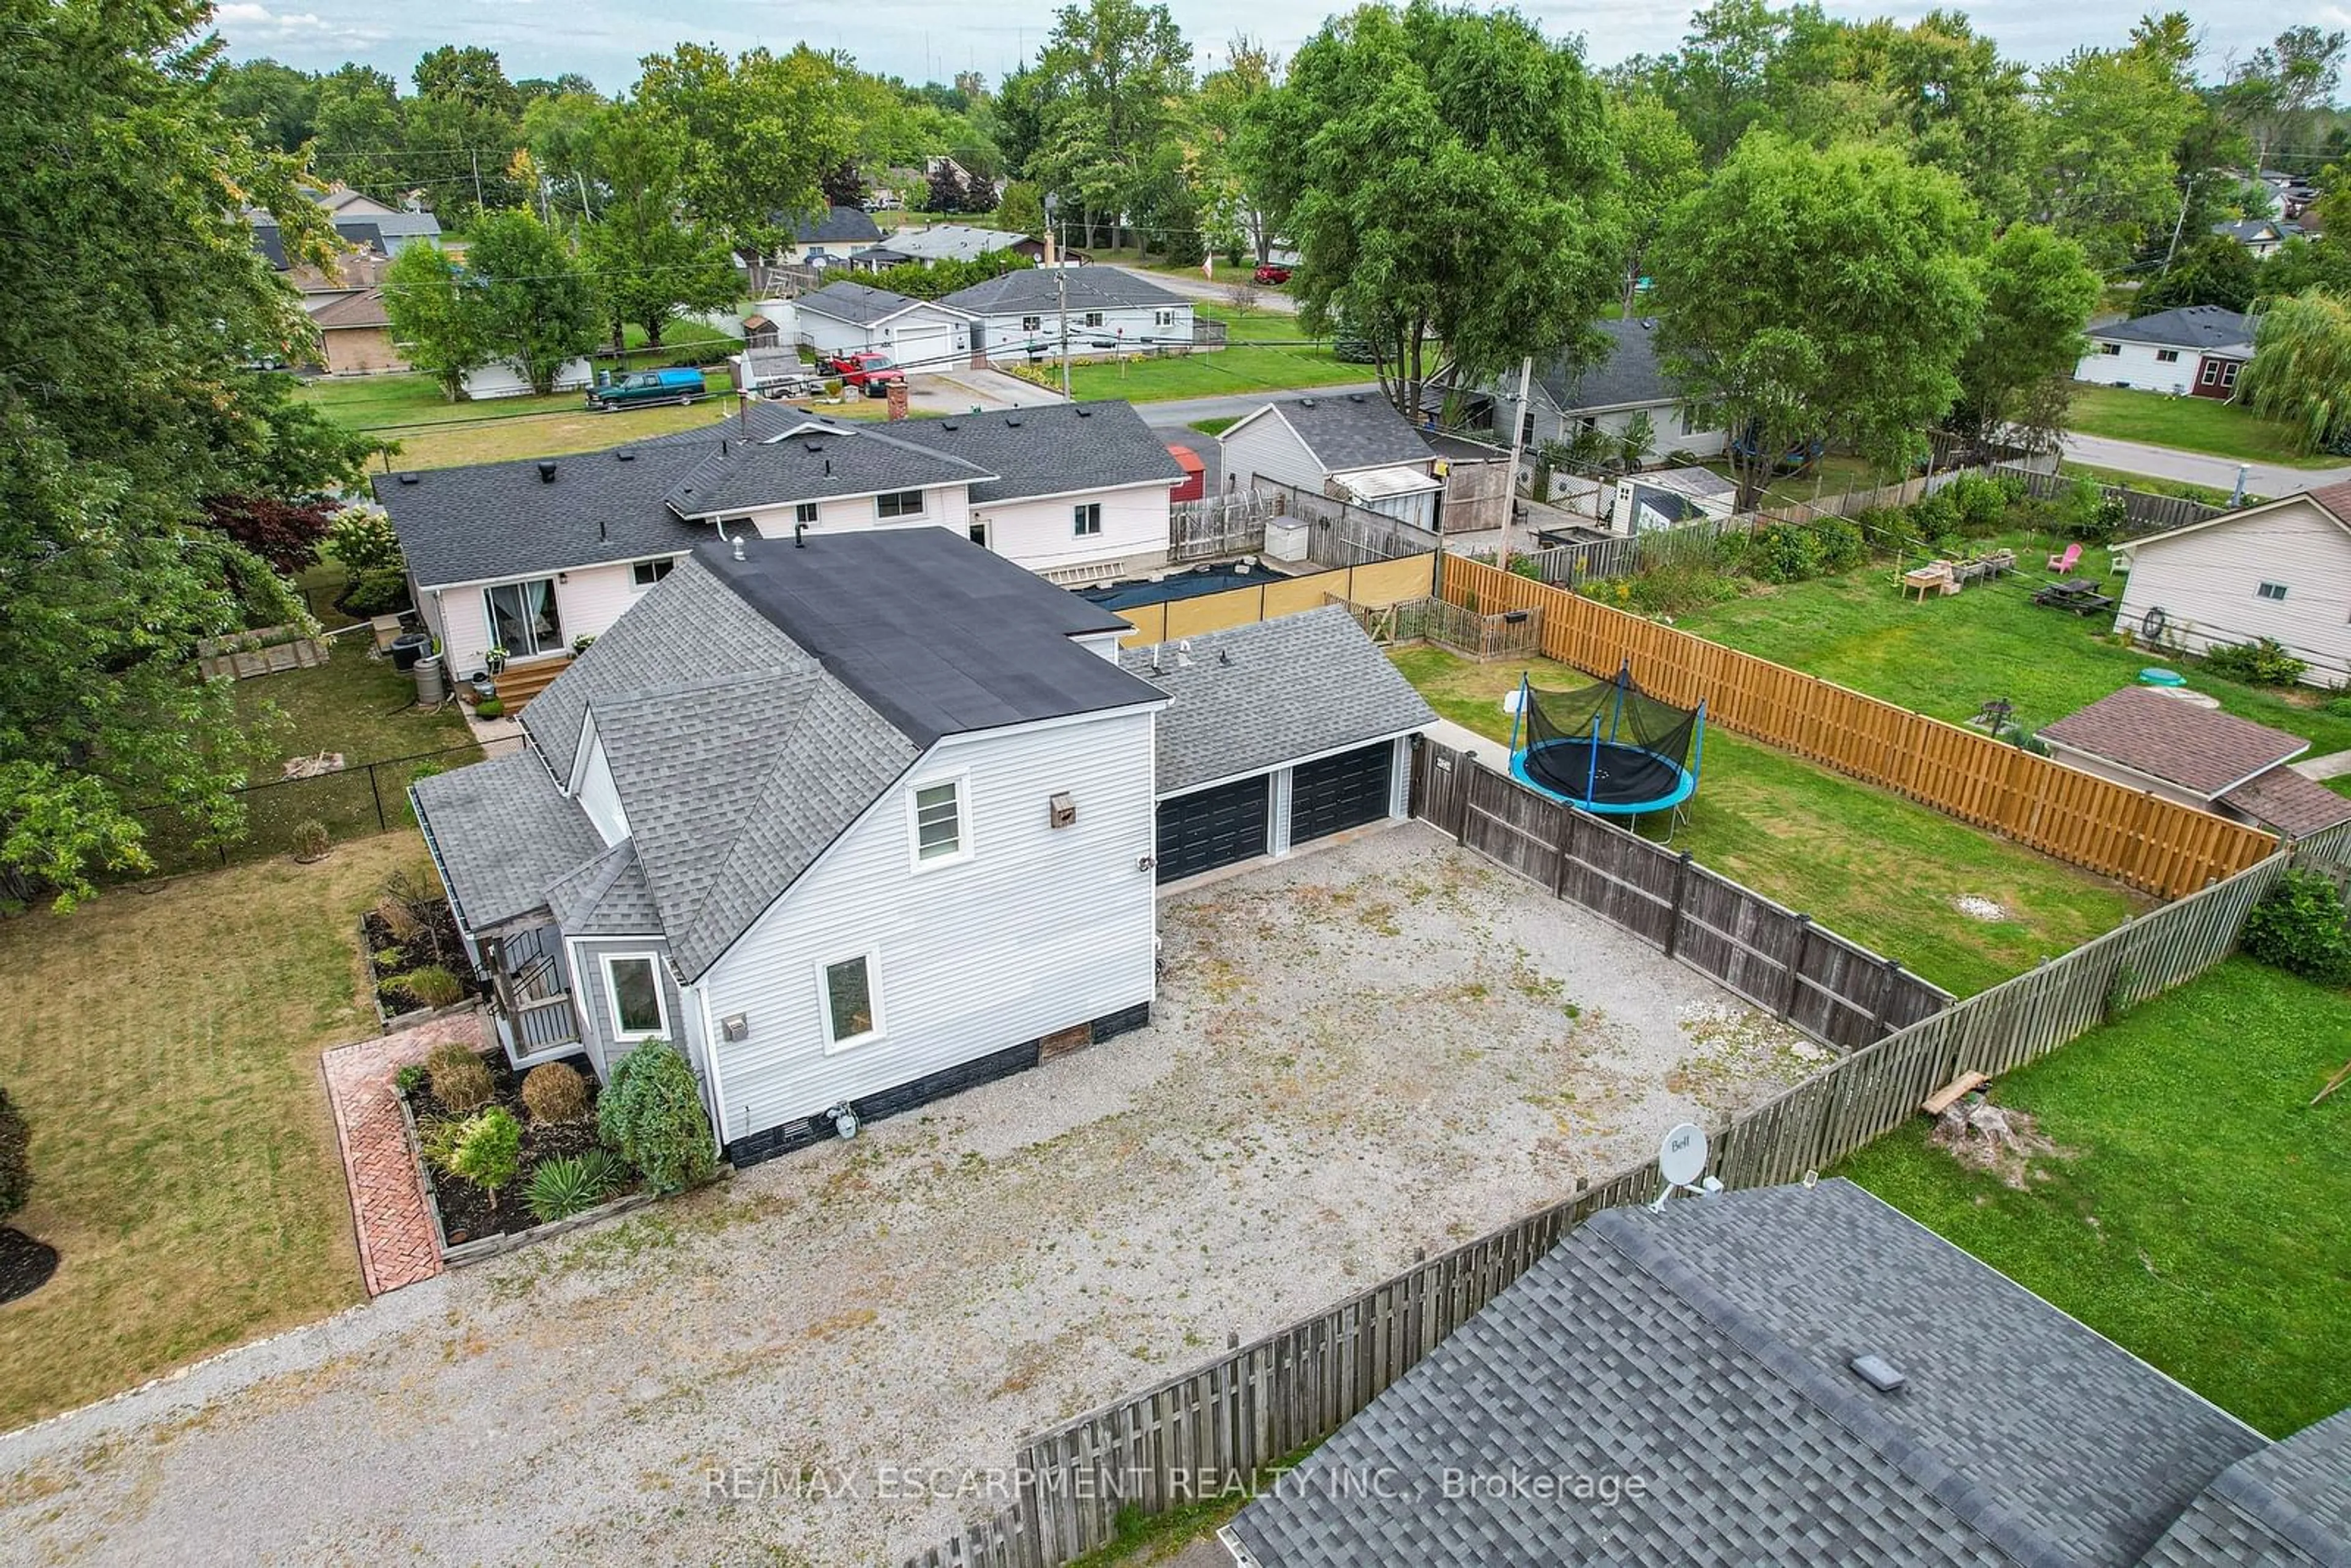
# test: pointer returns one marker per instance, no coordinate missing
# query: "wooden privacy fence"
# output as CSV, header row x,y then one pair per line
x,y
2139,838
1227,1423
1376,582
1218,526
1833,990
1343,534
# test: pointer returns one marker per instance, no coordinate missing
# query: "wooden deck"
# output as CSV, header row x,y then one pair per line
x,y
517,684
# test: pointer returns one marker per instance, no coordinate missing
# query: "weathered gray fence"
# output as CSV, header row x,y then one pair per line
x,y
2144,512
1833,990
1218,526
1244,1412
1343,534
1509,634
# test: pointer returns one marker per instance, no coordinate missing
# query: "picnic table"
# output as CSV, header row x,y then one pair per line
x,y
1935,577
2077,594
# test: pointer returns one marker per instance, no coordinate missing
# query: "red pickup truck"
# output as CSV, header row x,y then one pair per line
x,y
869,373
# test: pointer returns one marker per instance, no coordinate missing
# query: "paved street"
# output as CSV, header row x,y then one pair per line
x,y
2266,479
1192,286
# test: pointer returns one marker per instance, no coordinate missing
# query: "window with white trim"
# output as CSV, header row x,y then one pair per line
x,y
805,512
1093,318
942,823
899,503
1163,317
977,532
2212,372
2167,356
2229,369
852,1012
645,573
1088,517
1032,323
633,981
2271,590
2110,348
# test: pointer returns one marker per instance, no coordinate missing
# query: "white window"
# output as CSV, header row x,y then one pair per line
x,y
2271,591
941,822
851,1007
633,982
1032,323
1093,318
645,573
2229,369
805,513
899,503
1088,517
2110,348
2212,371
2167,356
1163,317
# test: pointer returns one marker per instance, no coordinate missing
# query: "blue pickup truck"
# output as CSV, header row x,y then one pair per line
x,y
638,388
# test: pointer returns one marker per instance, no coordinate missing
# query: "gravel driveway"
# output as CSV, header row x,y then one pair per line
x,y
1380,1046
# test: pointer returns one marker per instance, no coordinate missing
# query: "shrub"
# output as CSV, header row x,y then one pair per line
x,y
461,1083
1680,585
1978,504
447,1053
311,840
1842,545
410,1079
15,1158
1783,553
2264,662
423,770
490,707
486,1149
554,1092
1935,515
2340,707
2301,928
574,1184
434,986
400,918
651,1111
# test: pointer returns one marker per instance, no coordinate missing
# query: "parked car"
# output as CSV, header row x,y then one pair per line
x,y
869,373
637,388
1271,272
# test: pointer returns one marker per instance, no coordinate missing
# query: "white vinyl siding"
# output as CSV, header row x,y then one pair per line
x,y
588,599
601,798
1041,534
2141,367
1008,336
1050,927
2208,584
1266,447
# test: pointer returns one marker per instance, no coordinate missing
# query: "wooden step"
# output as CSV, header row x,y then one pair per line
x,y
517,684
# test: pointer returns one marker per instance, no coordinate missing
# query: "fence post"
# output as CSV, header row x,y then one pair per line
x,y
1559,850
1465,776
1674,914
1877,1024
377,792
1796,966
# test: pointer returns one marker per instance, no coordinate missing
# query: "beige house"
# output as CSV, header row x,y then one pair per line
x,y
2281,570
354,333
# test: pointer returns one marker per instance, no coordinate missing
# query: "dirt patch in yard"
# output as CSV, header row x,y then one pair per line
x,y
1357,1053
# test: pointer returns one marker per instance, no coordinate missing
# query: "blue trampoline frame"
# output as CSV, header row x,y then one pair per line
x,y
1686,781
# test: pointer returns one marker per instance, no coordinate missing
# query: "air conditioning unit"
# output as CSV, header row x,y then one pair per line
x,y
1285,539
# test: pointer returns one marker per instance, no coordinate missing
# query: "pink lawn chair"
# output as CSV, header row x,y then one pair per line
x,y
2062,564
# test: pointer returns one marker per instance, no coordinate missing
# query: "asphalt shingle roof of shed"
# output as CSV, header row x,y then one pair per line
x,y
1345,431
2286,802
503,833
2288,1506
1256,696
2198,748
856,302
1030,291
953,242
2188,327
1706,1350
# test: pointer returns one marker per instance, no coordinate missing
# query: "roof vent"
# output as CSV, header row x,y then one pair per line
x,y
1012,421
625,455
1306,403
813,445
1878,1372
547,470
1084,413
949,424
408,478
1355,397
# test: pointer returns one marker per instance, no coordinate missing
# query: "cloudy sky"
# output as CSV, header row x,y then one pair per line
x,y
922,39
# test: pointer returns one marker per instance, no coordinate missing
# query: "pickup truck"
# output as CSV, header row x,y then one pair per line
x,y
869,373
637,388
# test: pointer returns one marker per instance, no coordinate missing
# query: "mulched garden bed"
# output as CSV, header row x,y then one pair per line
x,y
431,937
26,1264
465,1211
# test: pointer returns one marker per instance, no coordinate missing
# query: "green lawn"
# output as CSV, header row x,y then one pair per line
x,y
1242,368
1949,655
2203,492
1833,474
2202,1217
1213,426
435,433
1867,864
2192,423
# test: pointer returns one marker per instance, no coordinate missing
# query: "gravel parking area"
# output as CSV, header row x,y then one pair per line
x,y
1380,1046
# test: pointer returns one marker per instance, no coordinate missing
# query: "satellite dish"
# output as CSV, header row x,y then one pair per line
x,y
1681,1159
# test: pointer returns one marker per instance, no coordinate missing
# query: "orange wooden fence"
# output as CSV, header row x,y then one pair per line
x,y
2141,838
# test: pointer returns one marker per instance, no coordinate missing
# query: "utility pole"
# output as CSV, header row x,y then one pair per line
x,y
1517,444
1061,284
478,181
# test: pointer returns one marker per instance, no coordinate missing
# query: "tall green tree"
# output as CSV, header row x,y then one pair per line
x,y
2274,94
1116,75
1222,116
1658,167
761,132
277,103
359,130
130,300
1444,175
2301,370
2017,371
538,305
650,261
1807,293
1958,107
2102,164
561,130
2210,269
437,319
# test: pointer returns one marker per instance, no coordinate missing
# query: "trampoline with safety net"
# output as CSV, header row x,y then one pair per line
x,y
1610,748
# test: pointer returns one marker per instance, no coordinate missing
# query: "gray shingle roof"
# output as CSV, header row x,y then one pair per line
x,y
2188,327
1030,292
499,519
1298,686
938,635
857,302
1628,375
1050,450
1706,1350
2288,1506
842,224
606,896
820,461
953,242
503,833
1352,430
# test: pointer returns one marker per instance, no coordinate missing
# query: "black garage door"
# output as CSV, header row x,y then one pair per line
x,y
1215,827
1339,792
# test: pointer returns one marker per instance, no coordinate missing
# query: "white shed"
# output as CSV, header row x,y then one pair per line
x,y
1353,445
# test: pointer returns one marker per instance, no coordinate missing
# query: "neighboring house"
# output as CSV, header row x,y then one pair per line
x,y
1110,310
1351,445
2196,349
953,242
1688,1386
498,379
2168,743
354,333
2262,236
834,233
854,822
2281,570
529,556
1665,496
850,317
1276,733
360,220
1607,396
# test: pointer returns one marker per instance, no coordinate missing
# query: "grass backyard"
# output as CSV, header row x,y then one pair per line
x,y
2192,423
361,707
1866,864
2200,1214
435,433
1264,353
163,1042
1949,655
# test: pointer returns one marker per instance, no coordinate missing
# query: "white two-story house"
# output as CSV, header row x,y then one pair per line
x,y
530,557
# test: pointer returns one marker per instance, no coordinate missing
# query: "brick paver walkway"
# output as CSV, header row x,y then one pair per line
x,y
395,1234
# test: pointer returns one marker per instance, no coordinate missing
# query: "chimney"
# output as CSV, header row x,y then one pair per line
x,y
547,470
897,400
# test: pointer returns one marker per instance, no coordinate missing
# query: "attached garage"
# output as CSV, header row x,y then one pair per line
x,y
1216,827
1276,734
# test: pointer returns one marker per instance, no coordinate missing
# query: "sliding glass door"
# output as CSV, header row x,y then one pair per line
x,y
522,617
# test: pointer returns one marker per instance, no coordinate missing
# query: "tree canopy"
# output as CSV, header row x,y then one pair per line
x,y
2301,369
